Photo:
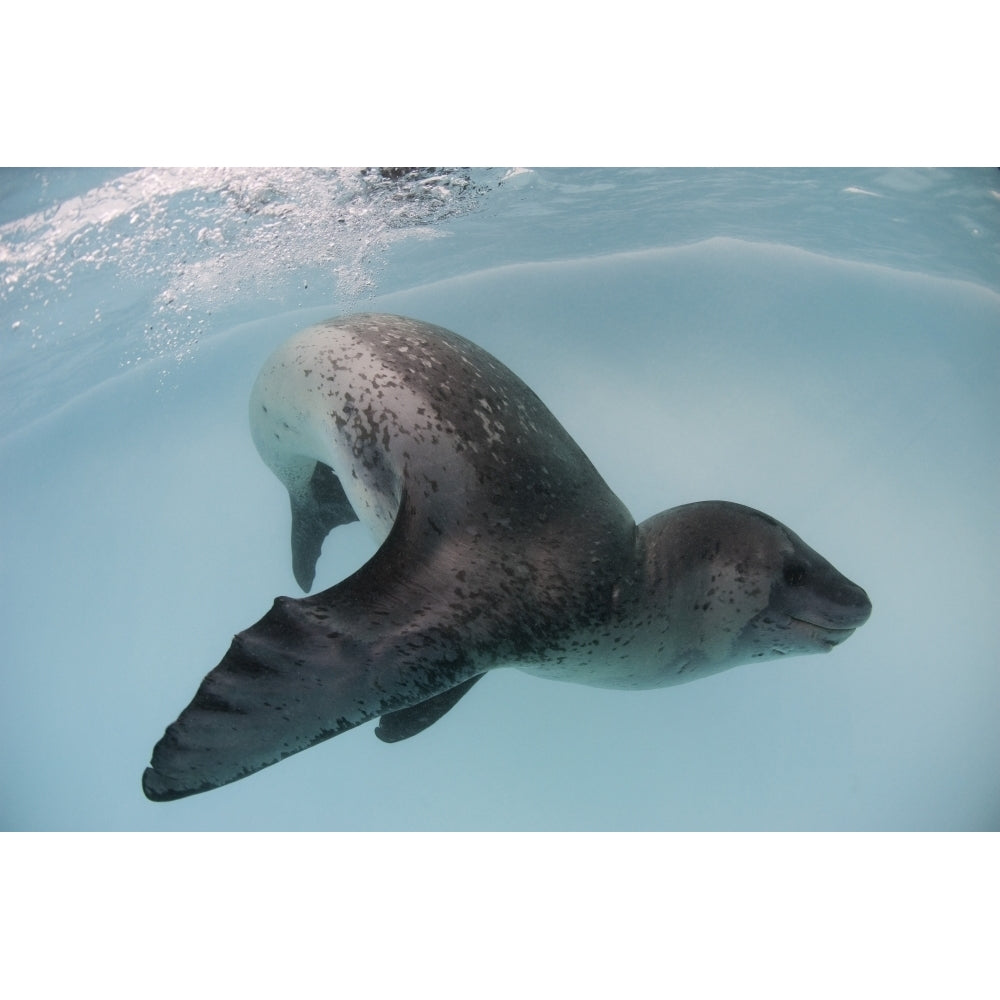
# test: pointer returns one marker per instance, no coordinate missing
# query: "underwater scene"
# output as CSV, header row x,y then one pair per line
x,y
819,345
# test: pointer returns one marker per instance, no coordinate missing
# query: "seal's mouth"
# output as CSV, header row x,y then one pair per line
x,y
825,635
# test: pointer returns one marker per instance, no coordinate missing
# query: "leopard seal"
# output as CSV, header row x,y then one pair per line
x,y
501,545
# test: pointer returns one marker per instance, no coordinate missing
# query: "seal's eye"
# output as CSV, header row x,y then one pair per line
x,y
795,574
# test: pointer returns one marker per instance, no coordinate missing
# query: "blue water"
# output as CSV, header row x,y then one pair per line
x,y
822,345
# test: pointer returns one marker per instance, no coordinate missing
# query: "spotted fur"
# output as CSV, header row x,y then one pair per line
x,y
500,545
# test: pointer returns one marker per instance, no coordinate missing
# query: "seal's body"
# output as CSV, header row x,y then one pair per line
x,y
500,545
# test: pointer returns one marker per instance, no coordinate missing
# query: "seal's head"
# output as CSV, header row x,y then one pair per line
x,y
743,587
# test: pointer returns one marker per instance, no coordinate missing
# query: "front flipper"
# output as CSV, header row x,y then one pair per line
x,y
316,511
280,688
375,644
407,722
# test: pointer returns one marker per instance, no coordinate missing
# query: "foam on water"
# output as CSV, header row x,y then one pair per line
x,y
149,263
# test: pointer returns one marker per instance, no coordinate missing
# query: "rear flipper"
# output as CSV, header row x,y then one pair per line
x,y
407,722
316,511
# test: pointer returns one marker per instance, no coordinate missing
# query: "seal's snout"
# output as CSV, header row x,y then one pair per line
x,y
862,607
854,607
827,598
